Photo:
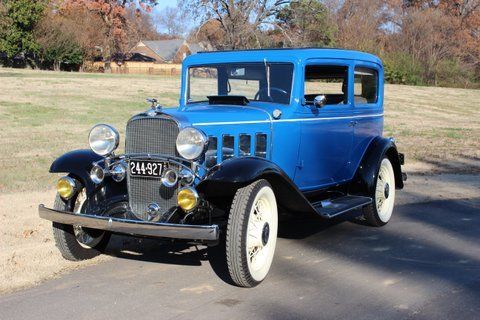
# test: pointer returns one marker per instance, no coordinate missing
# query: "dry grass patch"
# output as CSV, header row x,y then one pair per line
x,y
27,249
437,128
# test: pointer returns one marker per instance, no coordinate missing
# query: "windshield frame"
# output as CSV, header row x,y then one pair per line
x,y
212,64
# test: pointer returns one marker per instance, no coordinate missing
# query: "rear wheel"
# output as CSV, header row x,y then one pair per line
x,y
380,211
74,242
252,234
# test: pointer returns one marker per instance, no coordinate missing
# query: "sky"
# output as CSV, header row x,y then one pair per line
x,y
165,3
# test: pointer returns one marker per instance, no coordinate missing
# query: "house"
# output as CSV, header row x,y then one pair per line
x,y
165,51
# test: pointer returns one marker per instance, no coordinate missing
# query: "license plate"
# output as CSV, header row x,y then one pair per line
x,y
146,168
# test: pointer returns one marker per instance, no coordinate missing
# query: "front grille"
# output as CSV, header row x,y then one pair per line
x,y
151,135
154,136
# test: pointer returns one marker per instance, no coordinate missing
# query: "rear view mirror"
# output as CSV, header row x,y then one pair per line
x,y
237,72
320,101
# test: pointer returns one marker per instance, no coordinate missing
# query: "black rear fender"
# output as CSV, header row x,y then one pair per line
x,y
225,179
364,180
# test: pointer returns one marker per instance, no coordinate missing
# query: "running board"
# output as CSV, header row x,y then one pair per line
x,y
331,208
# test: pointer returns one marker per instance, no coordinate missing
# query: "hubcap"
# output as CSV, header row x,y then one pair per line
x,y
265,233
387,190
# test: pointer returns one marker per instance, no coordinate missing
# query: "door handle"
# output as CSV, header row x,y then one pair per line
x,y
352,123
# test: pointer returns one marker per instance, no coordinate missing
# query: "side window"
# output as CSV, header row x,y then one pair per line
x,y
365,85
331,81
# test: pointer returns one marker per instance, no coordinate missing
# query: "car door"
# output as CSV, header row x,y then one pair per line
x,y
368,108
326,132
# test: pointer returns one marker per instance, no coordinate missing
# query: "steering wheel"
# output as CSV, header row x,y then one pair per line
x,y
257,95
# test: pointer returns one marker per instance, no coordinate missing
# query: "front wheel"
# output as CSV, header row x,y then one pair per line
x,y
74,242
380,211
252,233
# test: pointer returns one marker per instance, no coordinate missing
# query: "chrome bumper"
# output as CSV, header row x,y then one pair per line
x,y
132,227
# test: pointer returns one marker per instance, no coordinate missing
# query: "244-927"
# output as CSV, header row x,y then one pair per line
x,y
146,168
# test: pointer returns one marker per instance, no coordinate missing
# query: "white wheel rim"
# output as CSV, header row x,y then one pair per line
x,y
385,191
263,219
84,238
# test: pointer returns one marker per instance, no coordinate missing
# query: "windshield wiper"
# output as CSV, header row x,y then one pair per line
x,y
267,73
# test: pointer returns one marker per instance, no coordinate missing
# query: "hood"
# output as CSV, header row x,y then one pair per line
x,y
219,115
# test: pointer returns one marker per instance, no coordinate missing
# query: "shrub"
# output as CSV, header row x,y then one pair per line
x,y
402,68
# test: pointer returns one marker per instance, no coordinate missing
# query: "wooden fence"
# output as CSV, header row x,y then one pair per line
x,y
134,67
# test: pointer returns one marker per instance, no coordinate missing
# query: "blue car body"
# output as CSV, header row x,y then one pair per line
x,y
315,149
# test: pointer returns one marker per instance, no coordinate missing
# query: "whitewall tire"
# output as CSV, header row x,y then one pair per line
x,y
252,233
380,211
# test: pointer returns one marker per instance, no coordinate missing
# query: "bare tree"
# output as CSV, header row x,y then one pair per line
x,y
240,21
141,26
210,32
173,21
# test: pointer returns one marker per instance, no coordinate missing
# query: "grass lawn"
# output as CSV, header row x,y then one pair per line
x,y
44,114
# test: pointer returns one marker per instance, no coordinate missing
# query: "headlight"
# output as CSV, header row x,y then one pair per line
x,y
103,139
191,143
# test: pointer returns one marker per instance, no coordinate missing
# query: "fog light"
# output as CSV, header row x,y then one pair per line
x,y
118,172
187,199
170,178
66,187
97,174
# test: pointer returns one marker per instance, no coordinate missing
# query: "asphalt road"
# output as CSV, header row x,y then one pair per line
x,y
425,264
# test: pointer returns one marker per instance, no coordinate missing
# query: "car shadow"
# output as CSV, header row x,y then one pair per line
x,y
157,251
412,242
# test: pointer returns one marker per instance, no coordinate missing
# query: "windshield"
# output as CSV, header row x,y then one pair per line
x,y
268,82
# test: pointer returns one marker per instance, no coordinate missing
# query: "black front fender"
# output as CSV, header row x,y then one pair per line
x,y
77,163
365,177
225,179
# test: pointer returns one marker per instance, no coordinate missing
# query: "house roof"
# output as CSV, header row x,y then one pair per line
x,y
139,57
165,48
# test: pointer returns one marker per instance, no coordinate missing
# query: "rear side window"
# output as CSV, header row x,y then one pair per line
x,y
365,85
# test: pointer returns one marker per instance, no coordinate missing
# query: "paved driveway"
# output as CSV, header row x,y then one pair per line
x,y
424,264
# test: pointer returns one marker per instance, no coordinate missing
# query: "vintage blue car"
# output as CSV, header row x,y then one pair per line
x,y
257,132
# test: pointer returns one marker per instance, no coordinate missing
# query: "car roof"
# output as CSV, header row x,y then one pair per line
x,y
278,54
